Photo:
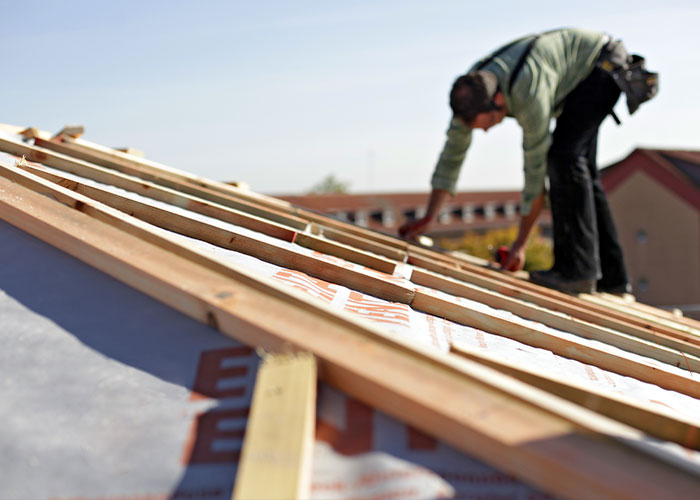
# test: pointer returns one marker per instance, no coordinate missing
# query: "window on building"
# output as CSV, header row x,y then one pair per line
x,y
642,236
445,216
361,218
642,284
388,219
490,211
509,209
467,212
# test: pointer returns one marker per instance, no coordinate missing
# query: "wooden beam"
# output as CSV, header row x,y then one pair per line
x,y
131,151
685,356
557,343
199,188
227,215
231,240
554,302
72,131
346,252
631,301
165,195
141,167
358,242
168,176
633,310
539,438
605,313
654,420
84,169
278,444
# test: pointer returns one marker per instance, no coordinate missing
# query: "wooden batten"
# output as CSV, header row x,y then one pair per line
x,y
277,450
346,252
350,239
571,305
232,216
84,169
359,232
164,179
72,131
653,420
682,355
95,153
604,313
545,441
198,186
557,343
231,240
115,159
171,197
630,301
633,309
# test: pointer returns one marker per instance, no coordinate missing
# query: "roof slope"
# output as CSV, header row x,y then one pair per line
x,y
576,396
679,171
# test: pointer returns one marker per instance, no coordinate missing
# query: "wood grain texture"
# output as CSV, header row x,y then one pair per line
x,y
560,302
166,195
55,154
538,337
653,420
674,357
277,450
232,240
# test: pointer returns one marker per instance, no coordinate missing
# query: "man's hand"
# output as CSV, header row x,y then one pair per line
x,y
411,229
516,258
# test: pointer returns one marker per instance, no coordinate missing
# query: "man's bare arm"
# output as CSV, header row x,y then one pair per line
x,y
516,255
438,198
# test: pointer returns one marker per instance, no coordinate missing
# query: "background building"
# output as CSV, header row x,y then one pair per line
x,y
386,212
655,199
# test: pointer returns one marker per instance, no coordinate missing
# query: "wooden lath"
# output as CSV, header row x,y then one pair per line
x,y
682,354
198,199
277,451
63,162
528,433
236,241
647,313
344,232
494,282
80,148
390,291
554,301
194,185
211,209
654,420
599,309
557,343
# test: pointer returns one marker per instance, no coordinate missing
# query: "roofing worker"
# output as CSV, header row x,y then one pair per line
x,y
575,76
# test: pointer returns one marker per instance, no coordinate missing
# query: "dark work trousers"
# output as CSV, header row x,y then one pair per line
x,y
586,245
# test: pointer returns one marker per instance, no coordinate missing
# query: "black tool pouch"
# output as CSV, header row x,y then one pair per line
x,y
629,73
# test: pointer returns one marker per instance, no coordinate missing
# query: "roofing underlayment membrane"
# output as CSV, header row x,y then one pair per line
x,y
110,394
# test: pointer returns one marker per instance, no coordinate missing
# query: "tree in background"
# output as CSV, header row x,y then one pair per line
x,y
330,185
538,254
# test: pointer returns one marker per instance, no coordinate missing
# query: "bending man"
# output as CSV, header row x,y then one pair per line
x,y
533,80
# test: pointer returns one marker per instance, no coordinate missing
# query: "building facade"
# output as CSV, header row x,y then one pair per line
x,y
655,199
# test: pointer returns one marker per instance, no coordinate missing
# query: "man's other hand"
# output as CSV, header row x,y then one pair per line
x,y
411,229
515,260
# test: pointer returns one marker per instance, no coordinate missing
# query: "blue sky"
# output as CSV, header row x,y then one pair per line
x,y
281,94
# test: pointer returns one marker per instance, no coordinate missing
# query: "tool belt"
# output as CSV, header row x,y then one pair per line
x,y
629,73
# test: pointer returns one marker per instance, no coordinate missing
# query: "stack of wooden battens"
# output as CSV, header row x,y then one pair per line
x,y
567,439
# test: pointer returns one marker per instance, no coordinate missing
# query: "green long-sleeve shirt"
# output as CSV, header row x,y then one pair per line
x,y
557,63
